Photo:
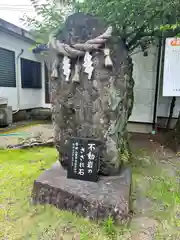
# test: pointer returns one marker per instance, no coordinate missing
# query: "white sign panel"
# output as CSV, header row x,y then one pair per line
x,y
171,78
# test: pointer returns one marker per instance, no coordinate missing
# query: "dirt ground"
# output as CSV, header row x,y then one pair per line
x,y
150,145
139,142
32,131
26,130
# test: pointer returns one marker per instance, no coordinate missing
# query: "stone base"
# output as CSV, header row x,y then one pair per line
x,y
110,196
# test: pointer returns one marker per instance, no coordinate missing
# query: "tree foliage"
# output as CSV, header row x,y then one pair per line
x,y
49,18
136,21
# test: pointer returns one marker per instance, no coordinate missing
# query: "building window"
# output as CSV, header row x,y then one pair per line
x,y
7,68
30,74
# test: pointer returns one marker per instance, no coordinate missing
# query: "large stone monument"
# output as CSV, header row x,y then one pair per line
x,y
91,83
92,97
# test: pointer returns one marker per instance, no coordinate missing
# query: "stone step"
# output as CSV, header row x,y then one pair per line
x,y
110,196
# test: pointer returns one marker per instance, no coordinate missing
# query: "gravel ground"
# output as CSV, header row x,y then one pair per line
x,y
43,130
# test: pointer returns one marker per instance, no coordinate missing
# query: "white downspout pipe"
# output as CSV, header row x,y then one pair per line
x,y
18,85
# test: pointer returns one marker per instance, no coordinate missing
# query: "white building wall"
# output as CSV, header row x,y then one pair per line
x,y
144,90
29,98
144,73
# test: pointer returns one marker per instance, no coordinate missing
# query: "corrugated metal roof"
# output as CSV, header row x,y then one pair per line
x,y
15,30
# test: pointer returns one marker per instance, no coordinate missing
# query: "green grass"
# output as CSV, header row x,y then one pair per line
x,y
164,191
20,220
162,187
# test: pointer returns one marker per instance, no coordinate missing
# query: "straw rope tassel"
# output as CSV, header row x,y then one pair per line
x,y
108,61
77,69
54,74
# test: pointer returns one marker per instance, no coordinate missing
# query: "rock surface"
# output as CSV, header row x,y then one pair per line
x,y
96,108
109,196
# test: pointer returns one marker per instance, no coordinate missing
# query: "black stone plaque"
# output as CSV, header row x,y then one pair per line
x,y
83,159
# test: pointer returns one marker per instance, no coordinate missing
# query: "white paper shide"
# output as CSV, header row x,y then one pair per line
x,y
88,65
66,68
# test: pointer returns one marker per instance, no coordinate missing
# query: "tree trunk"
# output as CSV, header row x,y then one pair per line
x,y
97,108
